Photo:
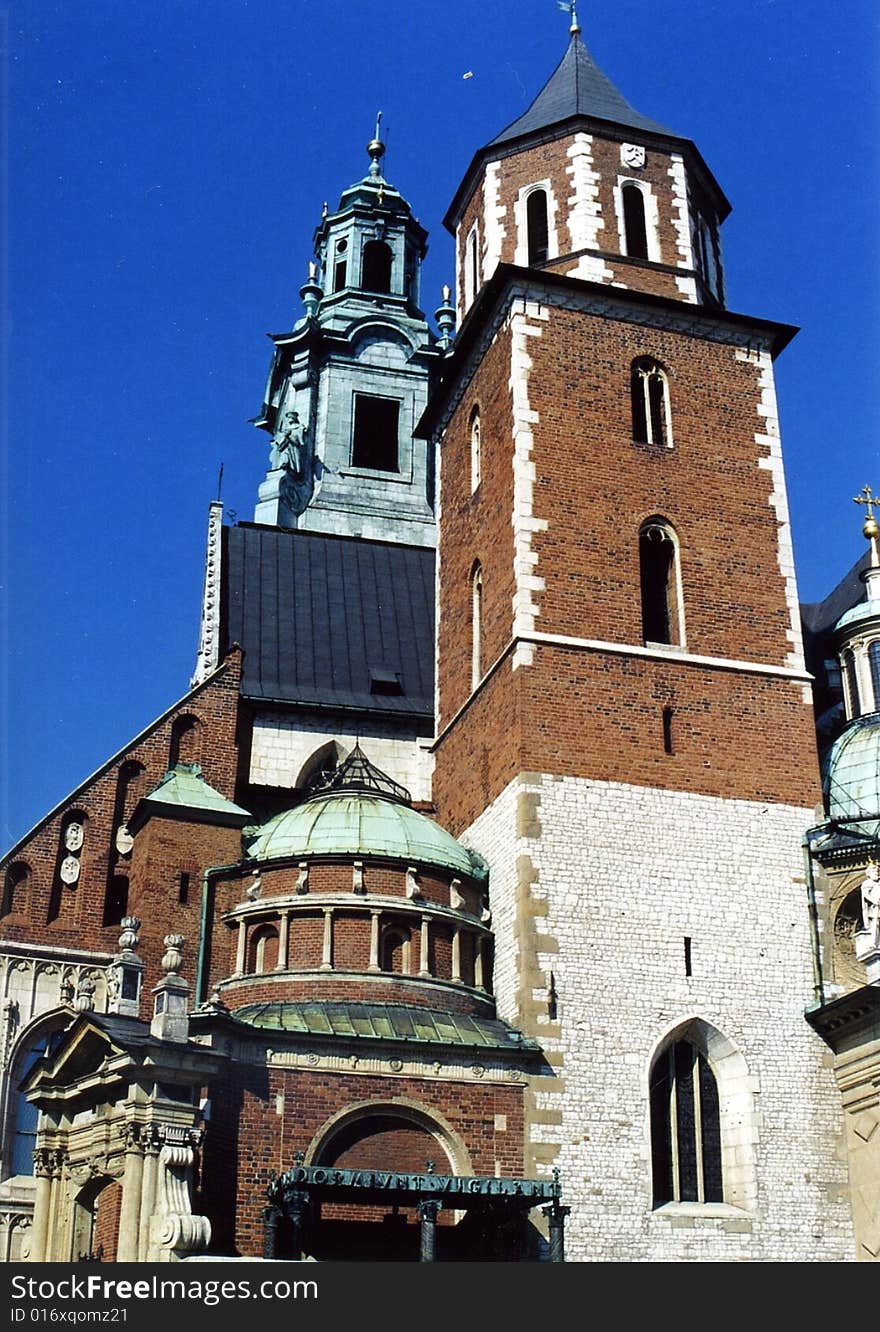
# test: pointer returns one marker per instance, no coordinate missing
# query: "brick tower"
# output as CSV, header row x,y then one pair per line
x,y
624,726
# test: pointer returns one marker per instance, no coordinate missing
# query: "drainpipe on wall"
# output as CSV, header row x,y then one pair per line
x,y
818,982
209,873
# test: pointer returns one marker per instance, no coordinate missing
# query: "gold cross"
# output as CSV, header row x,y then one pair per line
x,y
868,498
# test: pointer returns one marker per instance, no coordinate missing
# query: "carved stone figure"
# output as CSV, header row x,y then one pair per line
x,y
288,446
871,903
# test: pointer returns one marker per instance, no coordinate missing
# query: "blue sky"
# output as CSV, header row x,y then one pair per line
x,y
167,164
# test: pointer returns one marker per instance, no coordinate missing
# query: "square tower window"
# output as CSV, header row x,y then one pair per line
x,y
376,425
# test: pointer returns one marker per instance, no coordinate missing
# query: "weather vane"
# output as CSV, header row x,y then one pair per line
x,y
571,10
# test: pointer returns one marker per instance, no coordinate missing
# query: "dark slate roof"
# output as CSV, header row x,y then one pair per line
x,y
383,1022
577,87
819,617
330,621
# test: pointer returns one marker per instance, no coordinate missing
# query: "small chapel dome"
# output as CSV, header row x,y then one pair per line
x,y
362,814
852,771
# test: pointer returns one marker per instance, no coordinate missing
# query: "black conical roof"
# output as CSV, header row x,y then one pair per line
x,y
577,87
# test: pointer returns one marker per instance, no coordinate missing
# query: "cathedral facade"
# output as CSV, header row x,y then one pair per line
x,y
469,903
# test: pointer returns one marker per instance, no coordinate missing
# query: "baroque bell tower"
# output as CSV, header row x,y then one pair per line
x,y
349,382
625,729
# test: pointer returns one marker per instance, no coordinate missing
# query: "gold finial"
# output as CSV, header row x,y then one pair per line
x,y
376,147
569,7
870,528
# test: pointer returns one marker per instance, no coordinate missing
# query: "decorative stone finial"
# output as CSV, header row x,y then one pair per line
x,y
85,995
125,974
445,316
128,939
172,958
312,292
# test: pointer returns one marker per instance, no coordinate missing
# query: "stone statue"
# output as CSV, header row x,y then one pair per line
x,y
288,445
871,903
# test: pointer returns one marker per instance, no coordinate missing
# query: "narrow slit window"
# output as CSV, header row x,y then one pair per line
x,y
477,625
376,426
476,450
667,730
471,267
688,960
634,225
852,683
340,270
537,227
874,663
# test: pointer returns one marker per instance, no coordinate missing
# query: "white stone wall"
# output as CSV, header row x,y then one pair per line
x,y
283,745
600,883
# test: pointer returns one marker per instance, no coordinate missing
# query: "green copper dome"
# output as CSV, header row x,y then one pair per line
x,y
865,610
362,824
852,771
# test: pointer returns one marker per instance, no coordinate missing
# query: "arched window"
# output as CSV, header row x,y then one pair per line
x,y
536,227
649,391
263,950
659,579
874,664
851,678
476,625
340,267
685,1127
16,889
185,745
634,225
395,951
476,458
376,267
21,1116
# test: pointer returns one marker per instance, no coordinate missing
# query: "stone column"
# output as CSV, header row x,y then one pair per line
x,y
425,953
130,1213
374,941
56,1199
478,962
283,942
429,1210
240,949
327,952
42,1201
456,954
148,1191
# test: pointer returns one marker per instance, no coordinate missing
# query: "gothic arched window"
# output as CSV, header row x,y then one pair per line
x,y
649,393
376,269
659,581
476,449
537,227
635,227
685,1127
476,625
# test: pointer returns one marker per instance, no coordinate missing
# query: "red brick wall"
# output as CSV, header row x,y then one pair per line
x,y
480,522
79,922
105,1236
600,715
247,1137
550,162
